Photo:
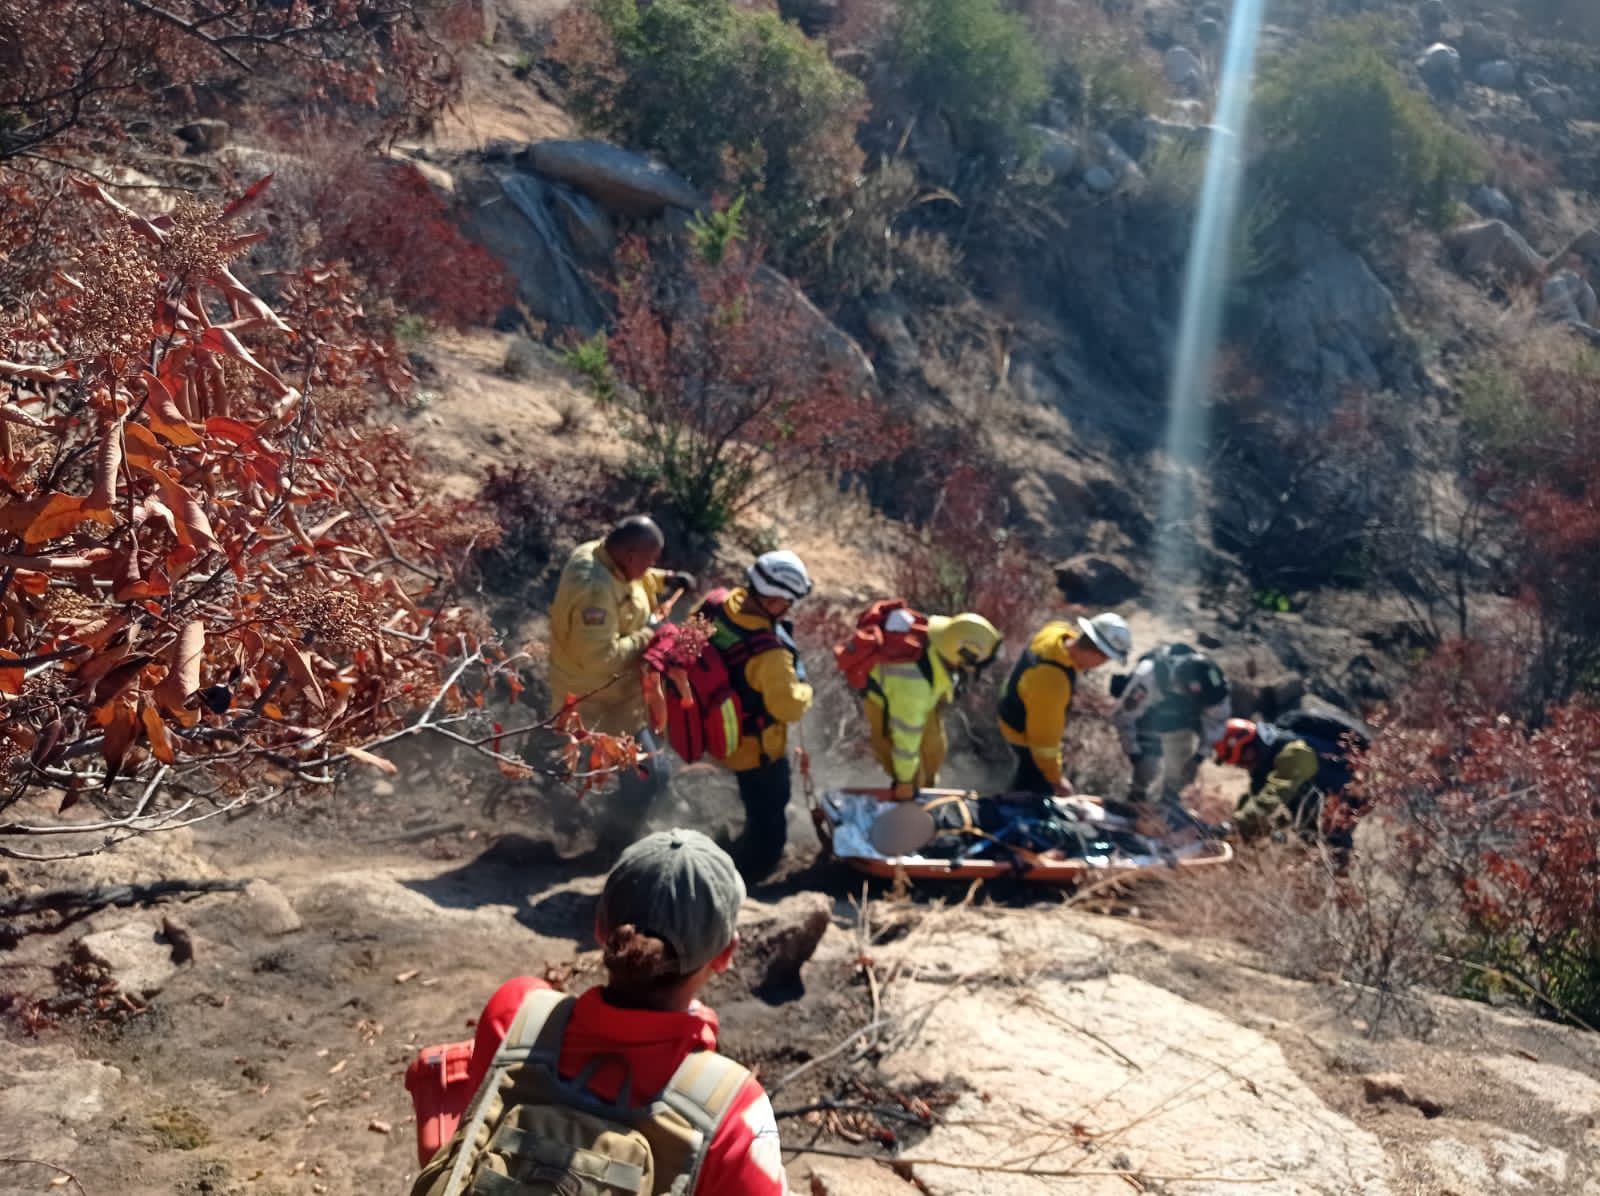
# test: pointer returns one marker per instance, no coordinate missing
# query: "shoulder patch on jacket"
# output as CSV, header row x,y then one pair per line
x,y
594,616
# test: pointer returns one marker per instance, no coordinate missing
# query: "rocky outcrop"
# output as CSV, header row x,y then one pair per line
x,y
1058,153
133,955
830,342
205,136
1092,580
516,216
618,179
1492,203
1493,249
1498,75
776,942
1569,299
1333,324
1184,70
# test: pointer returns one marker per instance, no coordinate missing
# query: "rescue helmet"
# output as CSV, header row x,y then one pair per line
x,y
779,574
965,641
1110,634
1239,737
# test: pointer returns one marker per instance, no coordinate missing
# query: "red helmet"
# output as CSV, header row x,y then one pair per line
x,y
1240,735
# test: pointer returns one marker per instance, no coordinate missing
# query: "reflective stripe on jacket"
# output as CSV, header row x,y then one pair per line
x,y
909,694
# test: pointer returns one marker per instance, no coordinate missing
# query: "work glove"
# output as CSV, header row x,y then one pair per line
x,y
687,582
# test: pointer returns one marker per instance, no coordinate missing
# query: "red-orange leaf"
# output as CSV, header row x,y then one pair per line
x,y
107,466
183,667
232,430
11,677
248,197
193,525
120,679
142,447
156,732
61,514
164,415
119,737
299,665
30,581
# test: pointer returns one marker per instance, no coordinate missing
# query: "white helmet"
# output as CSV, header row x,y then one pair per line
x,y
779,575
1110,634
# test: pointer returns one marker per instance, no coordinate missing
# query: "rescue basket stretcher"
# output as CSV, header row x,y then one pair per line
x,y
866,829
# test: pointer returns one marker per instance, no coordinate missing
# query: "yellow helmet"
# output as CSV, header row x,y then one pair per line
x,y
964,641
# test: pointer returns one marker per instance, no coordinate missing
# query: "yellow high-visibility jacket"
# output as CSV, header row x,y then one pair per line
x,y
771,678
904,703
599,627
1033,705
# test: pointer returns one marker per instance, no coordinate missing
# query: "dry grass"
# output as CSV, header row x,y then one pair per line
x,y
1369,934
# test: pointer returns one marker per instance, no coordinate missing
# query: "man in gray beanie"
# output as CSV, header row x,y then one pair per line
x,y
666,924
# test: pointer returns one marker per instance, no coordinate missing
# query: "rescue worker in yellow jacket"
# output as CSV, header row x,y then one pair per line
x,y
757,645
1034,703
905,702
600,624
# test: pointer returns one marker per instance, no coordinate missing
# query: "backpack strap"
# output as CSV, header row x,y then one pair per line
x,y
535,1034
702,1091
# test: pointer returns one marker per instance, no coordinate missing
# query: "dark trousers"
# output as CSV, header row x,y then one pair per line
x,y
1028,778
764,790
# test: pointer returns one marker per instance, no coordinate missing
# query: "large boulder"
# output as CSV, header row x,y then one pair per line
x,y
1585,247
830,342
619,180
1115,160
517,216
1479,43
1184,70
1550,104
134,955
204,136
1493,249
776,942
1497,74
1058,153
1333,324
1091,580
1492,203
1569,298
589,230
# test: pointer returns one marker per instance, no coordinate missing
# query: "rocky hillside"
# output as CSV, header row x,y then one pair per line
x,y
970,223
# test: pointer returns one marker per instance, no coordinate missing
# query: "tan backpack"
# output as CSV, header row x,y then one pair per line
x,y
528,1132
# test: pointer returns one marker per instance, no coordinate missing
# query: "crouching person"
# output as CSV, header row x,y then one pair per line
x,y
620,1090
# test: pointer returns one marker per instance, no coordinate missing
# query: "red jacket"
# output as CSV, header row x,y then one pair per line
x,y
742,1160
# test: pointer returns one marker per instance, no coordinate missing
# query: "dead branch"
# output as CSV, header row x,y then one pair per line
x,y
114,895
65,1175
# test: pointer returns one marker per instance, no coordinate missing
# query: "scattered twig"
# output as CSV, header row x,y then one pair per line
x,y
67,1176
1041,1172
833,1106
